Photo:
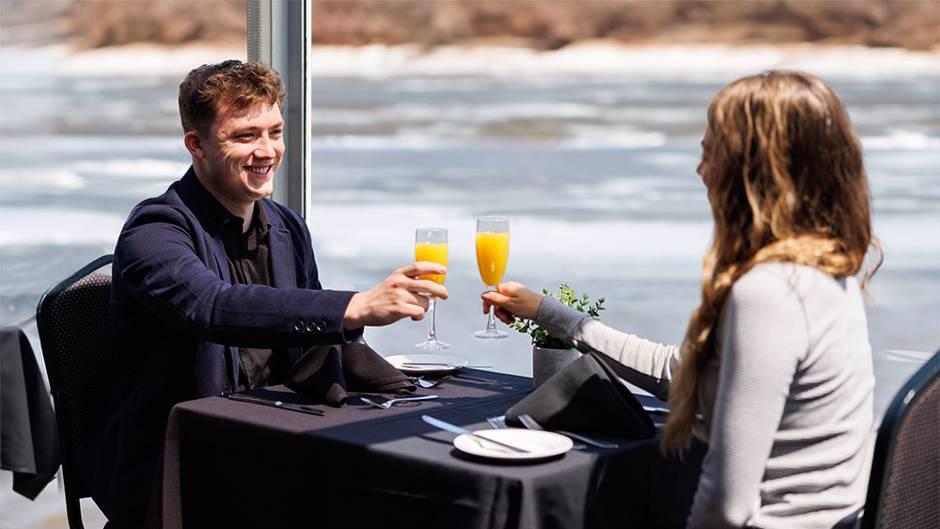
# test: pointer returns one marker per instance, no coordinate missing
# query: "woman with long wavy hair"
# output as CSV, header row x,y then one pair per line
x,y
775,371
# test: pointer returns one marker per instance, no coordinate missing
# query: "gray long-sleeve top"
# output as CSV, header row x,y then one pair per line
x,y
787,402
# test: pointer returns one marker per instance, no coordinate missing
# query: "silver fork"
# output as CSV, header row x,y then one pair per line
x,y
531,424
391,402
497,423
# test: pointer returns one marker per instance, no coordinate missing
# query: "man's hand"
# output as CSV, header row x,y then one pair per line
x,y
400,295
512,300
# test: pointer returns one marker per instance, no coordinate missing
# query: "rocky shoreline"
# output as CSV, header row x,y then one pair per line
x,y
534,24
549,25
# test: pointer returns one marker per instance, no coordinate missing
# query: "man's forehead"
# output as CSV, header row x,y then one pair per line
x,y
261,115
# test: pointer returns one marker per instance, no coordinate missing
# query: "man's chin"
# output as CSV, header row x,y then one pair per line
x,y
261,189
263,193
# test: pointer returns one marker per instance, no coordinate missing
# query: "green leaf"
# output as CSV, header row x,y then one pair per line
x,y
567,296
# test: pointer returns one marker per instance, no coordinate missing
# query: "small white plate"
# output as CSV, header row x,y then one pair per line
x,y
540,444
435,363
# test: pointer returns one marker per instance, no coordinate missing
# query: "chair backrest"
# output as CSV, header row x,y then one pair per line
x,y
74,321
904,488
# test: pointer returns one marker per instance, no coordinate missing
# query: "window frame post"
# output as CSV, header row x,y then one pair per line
x,y
279,36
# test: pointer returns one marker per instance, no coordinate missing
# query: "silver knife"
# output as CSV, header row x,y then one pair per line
x,y
437,423
302,408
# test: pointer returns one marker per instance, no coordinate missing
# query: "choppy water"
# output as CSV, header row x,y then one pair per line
x,y
596,173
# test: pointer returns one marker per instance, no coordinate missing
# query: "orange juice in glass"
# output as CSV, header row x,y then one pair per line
x,y
435,252
492,255
431,245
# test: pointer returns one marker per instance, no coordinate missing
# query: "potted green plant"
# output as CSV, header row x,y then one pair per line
x,y
550,353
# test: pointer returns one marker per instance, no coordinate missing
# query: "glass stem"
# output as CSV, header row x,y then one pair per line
x,y
432,331
491,321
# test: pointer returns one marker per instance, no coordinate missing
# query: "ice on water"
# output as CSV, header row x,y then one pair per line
x,y
591,155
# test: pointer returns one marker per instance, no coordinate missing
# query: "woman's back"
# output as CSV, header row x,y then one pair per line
x,y
776,356
792,414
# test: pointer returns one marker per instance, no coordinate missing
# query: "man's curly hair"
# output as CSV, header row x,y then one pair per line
x,y
231,85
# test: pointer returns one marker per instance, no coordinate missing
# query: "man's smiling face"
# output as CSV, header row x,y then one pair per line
x,y
242,152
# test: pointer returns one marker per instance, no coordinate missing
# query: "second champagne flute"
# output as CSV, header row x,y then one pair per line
x,y
431,245
492,254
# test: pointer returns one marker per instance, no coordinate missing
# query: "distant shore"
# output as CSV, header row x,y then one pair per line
x,y
691,39
533,24
553,25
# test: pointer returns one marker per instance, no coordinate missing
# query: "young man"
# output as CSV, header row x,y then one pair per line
x,y
215,286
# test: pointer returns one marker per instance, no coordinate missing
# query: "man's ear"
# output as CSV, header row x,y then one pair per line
x,y
194,144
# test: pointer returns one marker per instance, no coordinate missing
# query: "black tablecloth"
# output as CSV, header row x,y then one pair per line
x,y
29,445
236,464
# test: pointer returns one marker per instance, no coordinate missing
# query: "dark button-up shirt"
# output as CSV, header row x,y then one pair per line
x,y
249,262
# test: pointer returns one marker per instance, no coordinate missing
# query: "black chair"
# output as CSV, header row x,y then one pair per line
x,y
904,488
74,321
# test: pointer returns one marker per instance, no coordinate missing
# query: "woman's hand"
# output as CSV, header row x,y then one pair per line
x,y
512,300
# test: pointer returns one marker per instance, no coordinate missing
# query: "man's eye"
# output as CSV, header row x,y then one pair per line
x,y
277,132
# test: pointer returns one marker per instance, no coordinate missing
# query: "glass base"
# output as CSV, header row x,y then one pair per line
x,y
490,334
432,345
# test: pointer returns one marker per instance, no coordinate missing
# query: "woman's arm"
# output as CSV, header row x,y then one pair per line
x,y
652,364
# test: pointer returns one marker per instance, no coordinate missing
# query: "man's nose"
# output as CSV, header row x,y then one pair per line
x,y
265,148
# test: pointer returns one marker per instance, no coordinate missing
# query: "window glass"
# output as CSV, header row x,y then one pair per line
x,y
581,123
88,127
89,123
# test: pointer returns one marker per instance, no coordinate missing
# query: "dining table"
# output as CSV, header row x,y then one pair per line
x,y
231,463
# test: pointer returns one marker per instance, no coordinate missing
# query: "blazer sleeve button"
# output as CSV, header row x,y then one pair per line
x,y
299,326
311,328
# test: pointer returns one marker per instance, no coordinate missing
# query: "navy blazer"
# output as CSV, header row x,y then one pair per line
x,y
178,321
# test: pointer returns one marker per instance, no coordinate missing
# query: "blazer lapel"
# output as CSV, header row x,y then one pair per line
x,y
201,203
217,247
282,253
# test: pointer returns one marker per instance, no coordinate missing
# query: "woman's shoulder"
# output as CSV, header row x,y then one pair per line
x,y
787,280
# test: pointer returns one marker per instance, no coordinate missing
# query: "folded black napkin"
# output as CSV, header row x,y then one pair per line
x,y
585,396
327,372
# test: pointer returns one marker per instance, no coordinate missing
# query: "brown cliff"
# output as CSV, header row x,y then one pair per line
x,y
541,24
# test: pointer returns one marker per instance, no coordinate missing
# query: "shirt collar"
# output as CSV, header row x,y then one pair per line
x,y
219,216
260,221
251,239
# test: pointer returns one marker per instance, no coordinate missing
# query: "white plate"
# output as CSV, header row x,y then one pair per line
x,y
540,444
447,363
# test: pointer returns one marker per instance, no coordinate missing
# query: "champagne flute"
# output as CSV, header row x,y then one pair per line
x,y
492,254
431,245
